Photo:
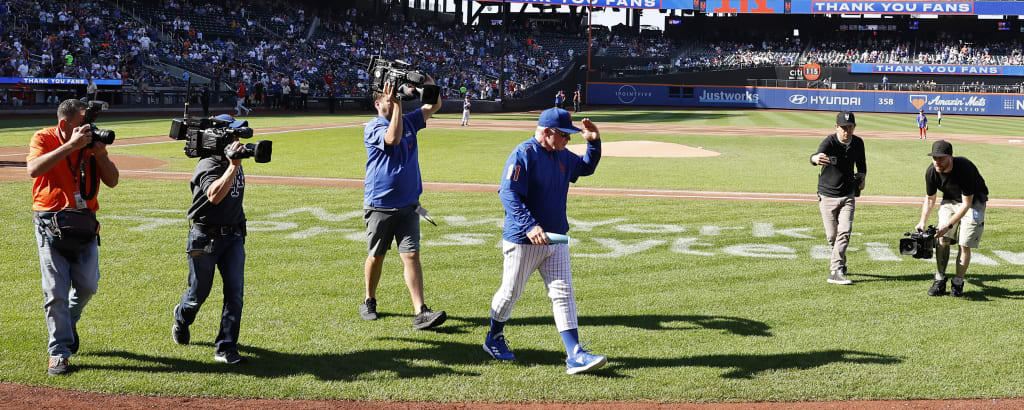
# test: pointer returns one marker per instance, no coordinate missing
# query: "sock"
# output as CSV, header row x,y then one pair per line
x,y
496,326
570,338
940,276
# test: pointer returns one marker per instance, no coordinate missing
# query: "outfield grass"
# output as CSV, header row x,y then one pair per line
x,y
18,131
747,163
676,327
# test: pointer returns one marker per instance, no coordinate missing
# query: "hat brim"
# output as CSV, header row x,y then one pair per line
x,y
939,154
571,130
845,123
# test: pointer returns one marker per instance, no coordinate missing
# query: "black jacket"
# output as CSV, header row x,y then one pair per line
x,y
838,179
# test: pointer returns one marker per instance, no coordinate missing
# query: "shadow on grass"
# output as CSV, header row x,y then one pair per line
x,y
746,366
973,282
405,362
410,362
729,324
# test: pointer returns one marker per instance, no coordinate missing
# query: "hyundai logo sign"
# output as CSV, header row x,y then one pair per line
x,y
798,99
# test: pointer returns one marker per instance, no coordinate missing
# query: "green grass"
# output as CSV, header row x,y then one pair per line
x,y
18,131
749,164
676,327
818,121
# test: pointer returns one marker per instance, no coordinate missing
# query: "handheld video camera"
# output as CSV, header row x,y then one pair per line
x,y
919,244
92,110
408,82
206,137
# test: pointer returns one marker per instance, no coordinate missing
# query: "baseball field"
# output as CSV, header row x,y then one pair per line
x,y
702,279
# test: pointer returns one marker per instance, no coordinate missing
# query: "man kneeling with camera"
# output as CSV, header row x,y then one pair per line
x,y
964,195
217,236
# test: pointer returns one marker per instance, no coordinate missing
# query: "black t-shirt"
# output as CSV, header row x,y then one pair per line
x,y
837,180
229,210
964,179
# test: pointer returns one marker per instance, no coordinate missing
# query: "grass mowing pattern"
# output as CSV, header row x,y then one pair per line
x,y
675,326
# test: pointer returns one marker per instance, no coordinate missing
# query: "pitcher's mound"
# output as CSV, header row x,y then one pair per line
x,y
646,149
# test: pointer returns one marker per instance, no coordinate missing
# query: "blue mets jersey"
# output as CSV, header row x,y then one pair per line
x,y
535,184
392,171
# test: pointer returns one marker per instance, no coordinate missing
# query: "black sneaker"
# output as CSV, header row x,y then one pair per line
x,y
231,357
73,347
368,309
958,290
179,332
58,366
938,288
428,319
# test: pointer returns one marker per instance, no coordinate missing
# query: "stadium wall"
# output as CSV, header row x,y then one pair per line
x,y
804,99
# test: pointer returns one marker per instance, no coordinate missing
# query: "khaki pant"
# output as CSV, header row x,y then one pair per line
x,y
837,216
971,225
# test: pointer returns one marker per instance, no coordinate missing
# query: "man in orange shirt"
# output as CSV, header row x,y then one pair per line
x,y
63,160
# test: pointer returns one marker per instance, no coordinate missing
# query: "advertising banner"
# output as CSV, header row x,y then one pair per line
x,y
806,99
56,81
938,69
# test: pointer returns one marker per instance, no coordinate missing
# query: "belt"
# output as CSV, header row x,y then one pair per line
x,y
222,230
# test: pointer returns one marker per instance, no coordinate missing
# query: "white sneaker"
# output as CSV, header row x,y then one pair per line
x,y
838,278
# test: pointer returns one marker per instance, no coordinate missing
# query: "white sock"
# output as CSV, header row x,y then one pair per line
x,y
939,276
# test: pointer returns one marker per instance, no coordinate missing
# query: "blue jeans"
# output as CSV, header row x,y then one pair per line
x,y
227,254
67,286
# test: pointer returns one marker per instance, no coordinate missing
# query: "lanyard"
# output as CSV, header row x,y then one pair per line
x,y
81,167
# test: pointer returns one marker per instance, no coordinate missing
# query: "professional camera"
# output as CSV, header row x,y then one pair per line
x,y
408,83
919,244
206,137
92,110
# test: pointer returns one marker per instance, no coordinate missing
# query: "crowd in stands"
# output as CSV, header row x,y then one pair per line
x,y
281,53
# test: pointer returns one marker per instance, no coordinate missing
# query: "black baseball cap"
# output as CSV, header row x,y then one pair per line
x,y
941,148
845,118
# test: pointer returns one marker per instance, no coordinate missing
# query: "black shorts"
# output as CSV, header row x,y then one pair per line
x,y
386,225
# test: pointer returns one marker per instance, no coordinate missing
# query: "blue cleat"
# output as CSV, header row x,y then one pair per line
x,y
497,348
582,361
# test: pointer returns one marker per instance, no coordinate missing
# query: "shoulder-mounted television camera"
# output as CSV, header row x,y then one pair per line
x,y
206,137
408,83
92,110
920,245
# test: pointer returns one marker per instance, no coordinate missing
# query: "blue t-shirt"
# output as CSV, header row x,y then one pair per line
x,y
535,184
392,171
921,121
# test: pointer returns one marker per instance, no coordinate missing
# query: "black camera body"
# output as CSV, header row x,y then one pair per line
x,y
207,137
408,83
920,245
92,110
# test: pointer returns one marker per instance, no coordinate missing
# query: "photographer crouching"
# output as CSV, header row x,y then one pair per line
x,y
66,163
964,196
217,236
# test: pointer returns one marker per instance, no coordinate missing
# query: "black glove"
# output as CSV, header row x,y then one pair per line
x,y
235,154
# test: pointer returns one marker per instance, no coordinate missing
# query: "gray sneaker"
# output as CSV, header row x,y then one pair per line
x,y
838,278
368,309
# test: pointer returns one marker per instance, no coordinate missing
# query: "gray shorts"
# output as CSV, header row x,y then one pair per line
x,y
971,225
386,225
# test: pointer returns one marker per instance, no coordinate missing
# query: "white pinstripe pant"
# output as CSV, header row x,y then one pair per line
x,y
521,260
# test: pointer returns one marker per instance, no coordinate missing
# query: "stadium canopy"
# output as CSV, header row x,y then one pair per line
x,y
885,7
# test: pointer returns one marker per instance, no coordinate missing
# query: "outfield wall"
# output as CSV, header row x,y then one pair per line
x,y
805,99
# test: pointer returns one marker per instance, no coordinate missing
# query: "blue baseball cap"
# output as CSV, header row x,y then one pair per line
x,y
557,118
234,123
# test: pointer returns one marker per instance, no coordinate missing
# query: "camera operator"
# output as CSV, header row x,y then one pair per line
x,y
838,186
216,239
964,195
391,199
59,159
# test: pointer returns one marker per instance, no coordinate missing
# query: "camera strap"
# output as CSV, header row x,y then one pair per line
x,y
81,175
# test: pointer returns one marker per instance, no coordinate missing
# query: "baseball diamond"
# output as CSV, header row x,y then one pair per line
x,y
721,218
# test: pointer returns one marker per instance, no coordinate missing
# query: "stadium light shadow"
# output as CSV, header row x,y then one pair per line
x,y
730,324
360,364
977,280
746,366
